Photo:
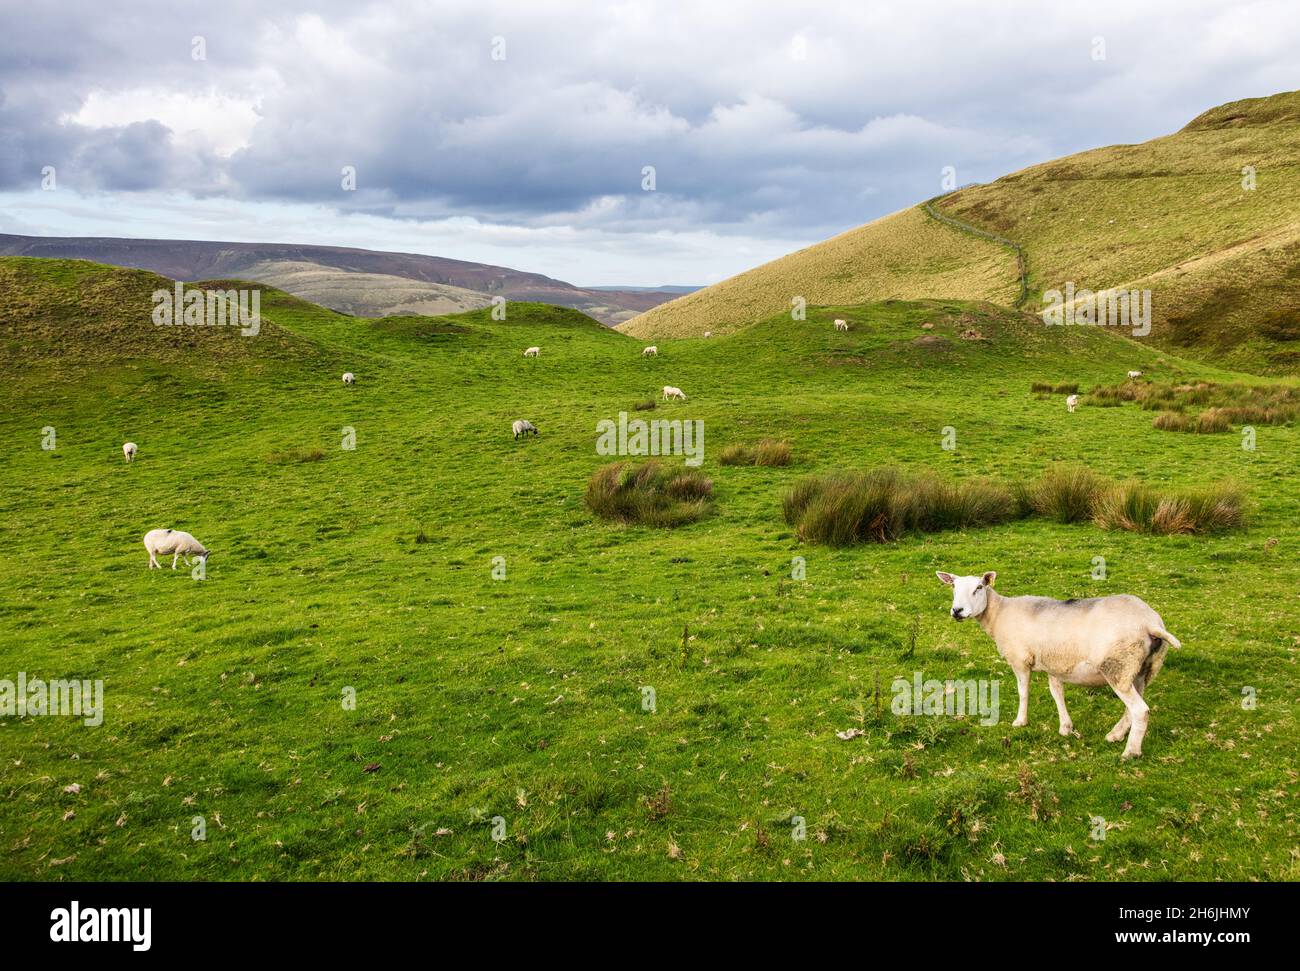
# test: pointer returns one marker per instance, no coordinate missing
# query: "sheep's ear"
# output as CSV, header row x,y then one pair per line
x,y
989,578
947,578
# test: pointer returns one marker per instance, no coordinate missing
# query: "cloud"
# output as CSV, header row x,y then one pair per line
x,y
764,121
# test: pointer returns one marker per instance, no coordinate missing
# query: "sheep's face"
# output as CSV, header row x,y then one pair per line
x,y
970,595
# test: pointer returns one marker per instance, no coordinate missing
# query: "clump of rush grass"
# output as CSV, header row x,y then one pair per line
x,y
1065,493
883,505
766,452
293,455
650,494
1046,387
1172,421
1140,508
647,405
1212,421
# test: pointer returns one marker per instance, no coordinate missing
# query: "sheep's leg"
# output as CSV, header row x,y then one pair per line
x,y
175,558
152,562
1055,685
1022,685
1139,715
1122,726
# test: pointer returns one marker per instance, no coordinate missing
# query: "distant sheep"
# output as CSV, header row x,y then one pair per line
x,y
532,352
841,325
349,378
708,333
523,427
1116,640
651,351
160,542
1071,402
129,451
1135,374
671,392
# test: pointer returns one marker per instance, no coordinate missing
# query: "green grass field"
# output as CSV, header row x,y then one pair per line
x,y
522,698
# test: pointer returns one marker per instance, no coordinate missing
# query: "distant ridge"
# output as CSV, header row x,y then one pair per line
x,y
284,265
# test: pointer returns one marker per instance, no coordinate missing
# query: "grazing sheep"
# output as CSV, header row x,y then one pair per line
x,y
1071,402
708,333
1135,374
671,392
532,352
349,378
523,427
160,542
1117,640
651,351
841,325
129,451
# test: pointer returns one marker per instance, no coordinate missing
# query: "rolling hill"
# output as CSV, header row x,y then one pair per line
x,y
1171,215
391,544
365,282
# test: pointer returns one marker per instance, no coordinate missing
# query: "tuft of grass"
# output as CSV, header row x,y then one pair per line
x,y
767,452
1212,421
883,505
650,494
1171,421
1140,508
1046,387
1066,493
648,405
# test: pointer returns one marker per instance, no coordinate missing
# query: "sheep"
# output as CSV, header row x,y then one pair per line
x,y
349,378
841,325
708,333
1135,374
523,427
128,449
651,351
1116,640
671,392
1071,402
173,541
532,352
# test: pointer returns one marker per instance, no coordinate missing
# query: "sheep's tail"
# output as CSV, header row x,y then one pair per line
x,y
1167,637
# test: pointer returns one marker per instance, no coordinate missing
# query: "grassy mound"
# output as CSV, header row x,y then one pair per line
x,y
650,494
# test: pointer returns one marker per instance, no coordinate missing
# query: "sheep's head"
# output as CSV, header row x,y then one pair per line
x,y
970,595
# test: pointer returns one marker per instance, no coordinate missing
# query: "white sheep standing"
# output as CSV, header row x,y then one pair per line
x,y
160,542
128,449
708,333
671,392
349,378
532,352
523,427
1071,402
841,325
1135,374
651,351
1117,640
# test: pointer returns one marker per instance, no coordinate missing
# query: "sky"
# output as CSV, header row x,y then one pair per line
x,y
601,143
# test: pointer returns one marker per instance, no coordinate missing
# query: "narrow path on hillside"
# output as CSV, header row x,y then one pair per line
x,y
1022,264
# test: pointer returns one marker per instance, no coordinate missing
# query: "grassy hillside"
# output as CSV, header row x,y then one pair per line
x,y
364,294
1170,215
905,256
372,569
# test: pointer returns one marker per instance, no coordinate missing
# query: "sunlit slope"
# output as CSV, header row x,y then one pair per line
x,y
364,294
1173,215
906,256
